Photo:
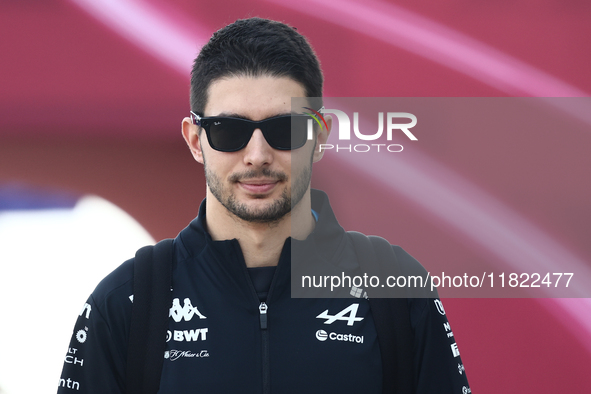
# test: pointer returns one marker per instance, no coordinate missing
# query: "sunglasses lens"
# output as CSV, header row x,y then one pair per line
x,y
228,135
286,132
299,130
282,132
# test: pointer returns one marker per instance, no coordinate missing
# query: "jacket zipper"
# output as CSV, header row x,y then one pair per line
x,y
265,341
263,308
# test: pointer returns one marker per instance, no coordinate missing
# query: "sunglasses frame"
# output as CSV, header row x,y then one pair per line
x,y
206,122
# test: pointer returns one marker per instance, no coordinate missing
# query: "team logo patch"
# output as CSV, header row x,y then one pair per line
x,y
186,312
439,306
349,314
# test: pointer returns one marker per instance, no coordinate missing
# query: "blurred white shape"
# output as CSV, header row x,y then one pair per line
x,y
50,262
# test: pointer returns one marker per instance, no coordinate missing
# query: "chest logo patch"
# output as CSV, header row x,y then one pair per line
x,y
349,314
186,312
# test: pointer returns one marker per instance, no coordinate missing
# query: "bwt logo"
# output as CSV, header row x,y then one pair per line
x,y
393,123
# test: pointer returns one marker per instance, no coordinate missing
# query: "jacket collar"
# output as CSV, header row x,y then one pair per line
x,y
327,242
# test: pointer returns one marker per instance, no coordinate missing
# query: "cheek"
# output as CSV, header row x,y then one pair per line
x,y
300,165
220,163
302,157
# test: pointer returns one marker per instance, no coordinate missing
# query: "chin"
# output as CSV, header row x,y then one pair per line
x,y
264,210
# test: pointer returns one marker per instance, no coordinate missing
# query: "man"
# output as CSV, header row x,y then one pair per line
x,y
233,325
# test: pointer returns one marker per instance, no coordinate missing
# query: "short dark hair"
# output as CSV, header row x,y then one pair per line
x,y
255,47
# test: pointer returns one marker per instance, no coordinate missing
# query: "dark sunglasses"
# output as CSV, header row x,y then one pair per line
x,y
227,134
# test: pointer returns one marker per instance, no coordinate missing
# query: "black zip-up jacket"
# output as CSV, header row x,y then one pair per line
x,y
223,339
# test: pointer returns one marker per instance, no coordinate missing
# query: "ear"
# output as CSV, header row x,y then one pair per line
x,y
321,139
191,136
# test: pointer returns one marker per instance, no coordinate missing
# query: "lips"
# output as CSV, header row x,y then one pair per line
x,y
257,186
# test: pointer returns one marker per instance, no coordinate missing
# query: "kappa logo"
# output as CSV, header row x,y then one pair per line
x,y
349,314
187,311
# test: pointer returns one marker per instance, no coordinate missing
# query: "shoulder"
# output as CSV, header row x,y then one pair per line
x,y
112,300
400,274
109,306
118,283
373,247
408,264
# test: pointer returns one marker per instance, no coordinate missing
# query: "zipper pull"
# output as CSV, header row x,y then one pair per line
x,y
263,315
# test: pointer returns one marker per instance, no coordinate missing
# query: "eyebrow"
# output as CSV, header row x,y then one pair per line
x,y
239,116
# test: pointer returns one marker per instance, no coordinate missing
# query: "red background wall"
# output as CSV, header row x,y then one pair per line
x,y
92,103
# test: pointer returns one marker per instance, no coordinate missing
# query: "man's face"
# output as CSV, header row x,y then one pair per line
x,y
258,183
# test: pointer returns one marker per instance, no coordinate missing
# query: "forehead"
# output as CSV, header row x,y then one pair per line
x,y
253,97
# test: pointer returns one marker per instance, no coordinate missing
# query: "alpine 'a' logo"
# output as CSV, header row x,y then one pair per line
x,y
187,311
351,311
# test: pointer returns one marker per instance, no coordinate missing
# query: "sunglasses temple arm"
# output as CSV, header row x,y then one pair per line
x,y
196,119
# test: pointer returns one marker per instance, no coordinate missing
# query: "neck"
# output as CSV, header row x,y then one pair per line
x,y
261,243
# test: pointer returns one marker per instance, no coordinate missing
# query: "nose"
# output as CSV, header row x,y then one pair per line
x,y
258,152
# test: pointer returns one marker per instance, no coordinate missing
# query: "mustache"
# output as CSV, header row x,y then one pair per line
x,y
262,173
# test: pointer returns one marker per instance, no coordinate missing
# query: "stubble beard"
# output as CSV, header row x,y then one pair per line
x,y
270,214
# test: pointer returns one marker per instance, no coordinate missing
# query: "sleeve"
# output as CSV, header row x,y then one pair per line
x,y
437,364
95,361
